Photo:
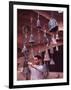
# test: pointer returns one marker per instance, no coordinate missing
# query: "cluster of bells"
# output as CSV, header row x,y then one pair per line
x,y
51,24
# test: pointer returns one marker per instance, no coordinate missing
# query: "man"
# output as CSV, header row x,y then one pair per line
x,y
37,69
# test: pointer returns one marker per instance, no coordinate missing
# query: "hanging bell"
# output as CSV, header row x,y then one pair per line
x,y
46,57
53,25
57,37
52,62
24,48
38,24
31,40
57,48
31,53
53,40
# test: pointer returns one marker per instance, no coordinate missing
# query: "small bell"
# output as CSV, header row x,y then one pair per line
x,y
52,62
46,57
53,25
26,53
53,40
38,22
57,37
31,40
24,48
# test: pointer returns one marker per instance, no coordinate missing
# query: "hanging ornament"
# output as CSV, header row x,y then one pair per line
x,y
53,40
53,25
31,40
25,51
45,39
57,37
57,48
52,62
38,22
32,53
46,57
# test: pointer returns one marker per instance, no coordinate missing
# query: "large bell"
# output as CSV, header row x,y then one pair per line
x,y
53,25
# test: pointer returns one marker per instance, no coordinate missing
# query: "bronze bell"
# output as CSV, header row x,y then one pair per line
x,y
52,25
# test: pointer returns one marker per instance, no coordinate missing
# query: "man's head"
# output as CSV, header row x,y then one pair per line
x,y
37,59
